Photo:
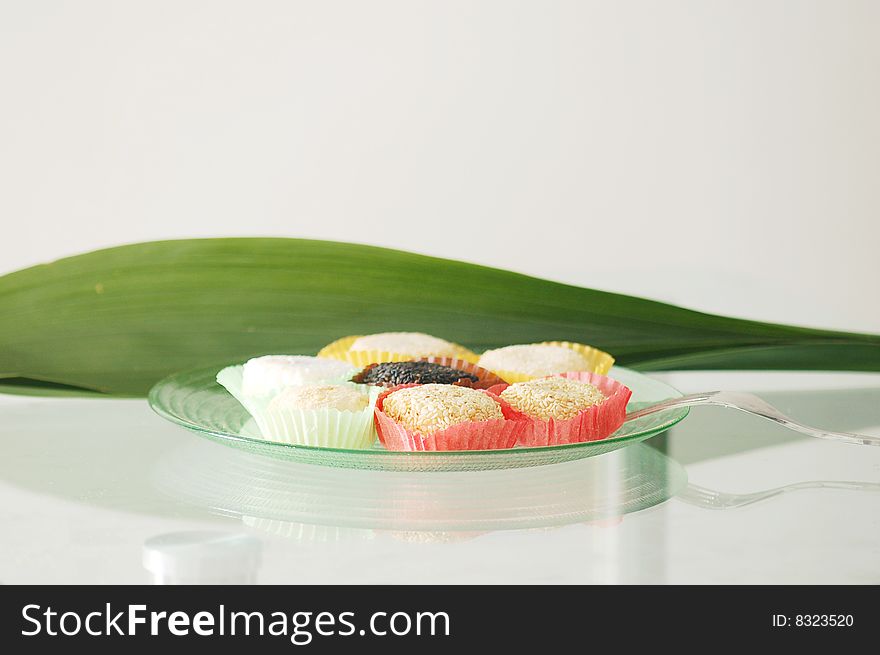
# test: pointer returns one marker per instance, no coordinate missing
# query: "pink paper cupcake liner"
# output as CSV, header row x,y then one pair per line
x,y
592,424
480,435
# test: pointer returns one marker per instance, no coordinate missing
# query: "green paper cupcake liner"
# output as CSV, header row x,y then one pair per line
x,y
327,428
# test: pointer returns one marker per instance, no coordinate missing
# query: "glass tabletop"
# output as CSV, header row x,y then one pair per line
x,y
105,491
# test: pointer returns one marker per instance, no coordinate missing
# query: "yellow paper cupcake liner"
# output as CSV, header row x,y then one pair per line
x,y
599,361
339,349
328,428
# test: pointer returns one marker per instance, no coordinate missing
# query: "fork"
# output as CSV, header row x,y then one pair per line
x,y
751,404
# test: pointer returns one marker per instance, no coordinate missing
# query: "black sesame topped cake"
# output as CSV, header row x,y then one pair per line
x,y
391,374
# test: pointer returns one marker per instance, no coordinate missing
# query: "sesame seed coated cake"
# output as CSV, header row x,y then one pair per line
x,y
343,397
552,398
428,408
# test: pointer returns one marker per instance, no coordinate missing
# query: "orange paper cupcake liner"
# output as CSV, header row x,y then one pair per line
x,y
485,377
599,361
592,424
340,349
495,434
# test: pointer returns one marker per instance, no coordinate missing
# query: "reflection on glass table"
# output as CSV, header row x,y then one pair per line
x,y
246,485
87,484
711,499
202,557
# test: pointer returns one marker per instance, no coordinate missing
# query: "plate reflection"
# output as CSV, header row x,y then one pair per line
x,y
285,497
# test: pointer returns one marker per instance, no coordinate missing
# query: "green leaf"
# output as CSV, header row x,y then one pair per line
x,y
116,321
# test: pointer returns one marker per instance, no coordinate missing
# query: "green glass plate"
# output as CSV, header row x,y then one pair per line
x,y
194,400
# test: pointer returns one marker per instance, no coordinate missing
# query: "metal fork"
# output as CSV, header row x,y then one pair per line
x,y
711,499
751,404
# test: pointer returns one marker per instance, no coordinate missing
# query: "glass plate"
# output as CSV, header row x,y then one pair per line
x,y
194,400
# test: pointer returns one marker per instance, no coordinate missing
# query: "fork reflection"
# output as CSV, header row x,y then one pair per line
x,y
712,499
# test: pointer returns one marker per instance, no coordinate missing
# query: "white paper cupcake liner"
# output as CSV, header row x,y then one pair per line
x,y
327,428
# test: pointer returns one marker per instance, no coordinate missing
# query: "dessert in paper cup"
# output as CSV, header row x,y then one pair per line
x,y
430,370
321,410
270,374
360,351
485,377
567,408
444,417
523,362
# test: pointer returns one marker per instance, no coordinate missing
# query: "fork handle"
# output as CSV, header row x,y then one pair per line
x,y
752,404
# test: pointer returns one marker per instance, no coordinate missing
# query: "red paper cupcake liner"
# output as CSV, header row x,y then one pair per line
x,y
592,424
479,435
485,377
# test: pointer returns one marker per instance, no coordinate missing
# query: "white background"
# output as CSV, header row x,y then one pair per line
x,y
722,155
